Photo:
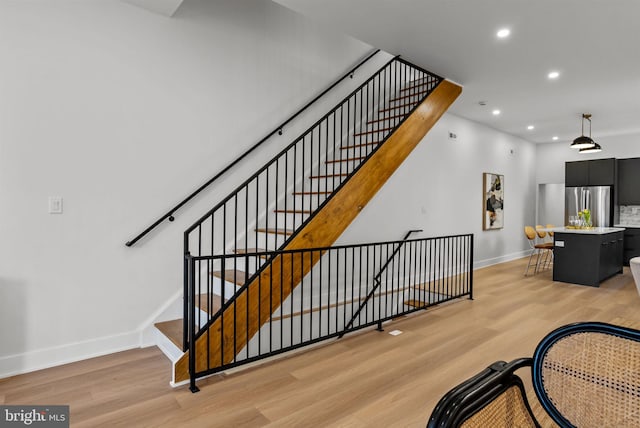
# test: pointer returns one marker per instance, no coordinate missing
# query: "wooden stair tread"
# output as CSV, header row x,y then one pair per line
x,y
292,211
415,303
375,131
238,277
418,85
276,231
382,119
353,146
417,94
346,159
251,251
203,303
173,330
313,192
315,177
397,107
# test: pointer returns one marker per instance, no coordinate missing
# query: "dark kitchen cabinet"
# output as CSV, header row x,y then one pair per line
x,y
629,181
631,244
587,258
576,174
598,172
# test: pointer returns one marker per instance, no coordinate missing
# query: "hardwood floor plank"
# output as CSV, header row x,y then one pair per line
x,y
367,379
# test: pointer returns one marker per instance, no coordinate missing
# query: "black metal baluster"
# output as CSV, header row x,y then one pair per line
x,y
281,306
302,299
271,303
362,280
291,317
344,298
192,328
269,258
328,255
326,156
222,317
247,314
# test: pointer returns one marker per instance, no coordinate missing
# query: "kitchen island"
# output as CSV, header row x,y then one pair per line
x,y
587,256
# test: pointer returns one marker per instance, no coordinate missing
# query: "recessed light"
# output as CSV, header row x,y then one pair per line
x,y
496,112
530,127
502,33
554,138
553,75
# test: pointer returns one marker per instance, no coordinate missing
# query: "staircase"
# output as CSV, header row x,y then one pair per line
x,y
245,258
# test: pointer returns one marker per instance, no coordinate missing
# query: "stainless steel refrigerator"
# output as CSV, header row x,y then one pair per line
x,y
597,199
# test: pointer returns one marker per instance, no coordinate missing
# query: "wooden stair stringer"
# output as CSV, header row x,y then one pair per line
x,y
324,228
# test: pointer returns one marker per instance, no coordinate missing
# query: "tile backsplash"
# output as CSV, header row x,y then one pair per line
x,y
630,215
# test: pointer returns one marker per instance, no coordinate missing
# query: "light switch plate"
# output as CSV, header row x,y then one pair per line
x,y
55,204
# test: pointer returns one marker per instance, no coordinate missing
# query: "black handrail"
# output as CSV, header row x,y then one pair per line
x,y
377,282
169,214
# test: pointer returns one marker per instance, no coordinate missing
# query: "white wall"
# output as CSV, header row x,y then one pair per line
x,y
439,189
550,204
122,112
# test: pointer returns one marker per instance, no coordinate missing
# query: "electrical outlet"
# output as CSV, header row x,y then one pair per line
x,y
55,204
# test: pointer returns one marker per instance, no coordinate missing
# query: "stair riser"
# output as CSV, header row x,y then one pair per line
x,y
290,220
309,202
270,241
229,287
325,184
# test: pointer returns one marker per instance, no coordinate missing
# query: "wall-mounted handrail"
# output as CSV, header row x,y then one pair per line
x,y
278,129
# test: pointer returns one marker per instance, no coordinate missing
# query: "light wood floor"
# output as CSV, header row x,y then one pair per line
x,y
368,380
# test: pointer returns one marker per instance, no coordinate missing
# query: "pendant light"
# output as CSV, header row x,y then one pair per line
x,y
595,149
584,142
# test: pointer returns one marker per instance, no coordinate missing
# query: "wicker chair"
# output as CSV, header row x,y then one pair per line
x,y
584,375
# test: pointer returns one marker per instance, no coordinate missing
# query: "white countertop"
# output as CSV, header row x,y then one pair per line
x,y
594,231
627,225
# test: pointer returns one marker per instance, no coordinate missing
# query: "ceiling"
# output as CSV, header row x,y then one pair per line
x,y
593,44
163,7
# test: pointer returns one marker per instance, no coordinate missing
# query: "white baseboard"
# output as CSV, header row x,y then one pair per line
x,y
12,365
502,259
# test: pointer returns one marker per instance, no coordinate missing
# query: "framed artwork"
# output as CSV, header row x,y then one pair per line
x,y
493,201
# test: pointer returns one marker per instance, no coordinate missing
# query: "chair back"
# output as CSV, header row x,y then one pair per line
x,y
588,375
530,232
494,398
550,226
541,234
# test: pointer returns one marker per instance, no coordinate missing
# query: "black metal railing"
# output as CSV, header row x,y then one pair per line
x,y
269,208
309,295
169,215
377,281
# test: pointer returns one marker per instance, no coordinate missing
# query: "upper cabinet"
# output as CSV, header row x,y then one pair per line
x,y
598,172
629,181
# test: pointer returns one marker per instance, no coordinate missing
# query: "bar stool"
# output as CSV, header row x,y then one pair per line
x,y
547,245
536,249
